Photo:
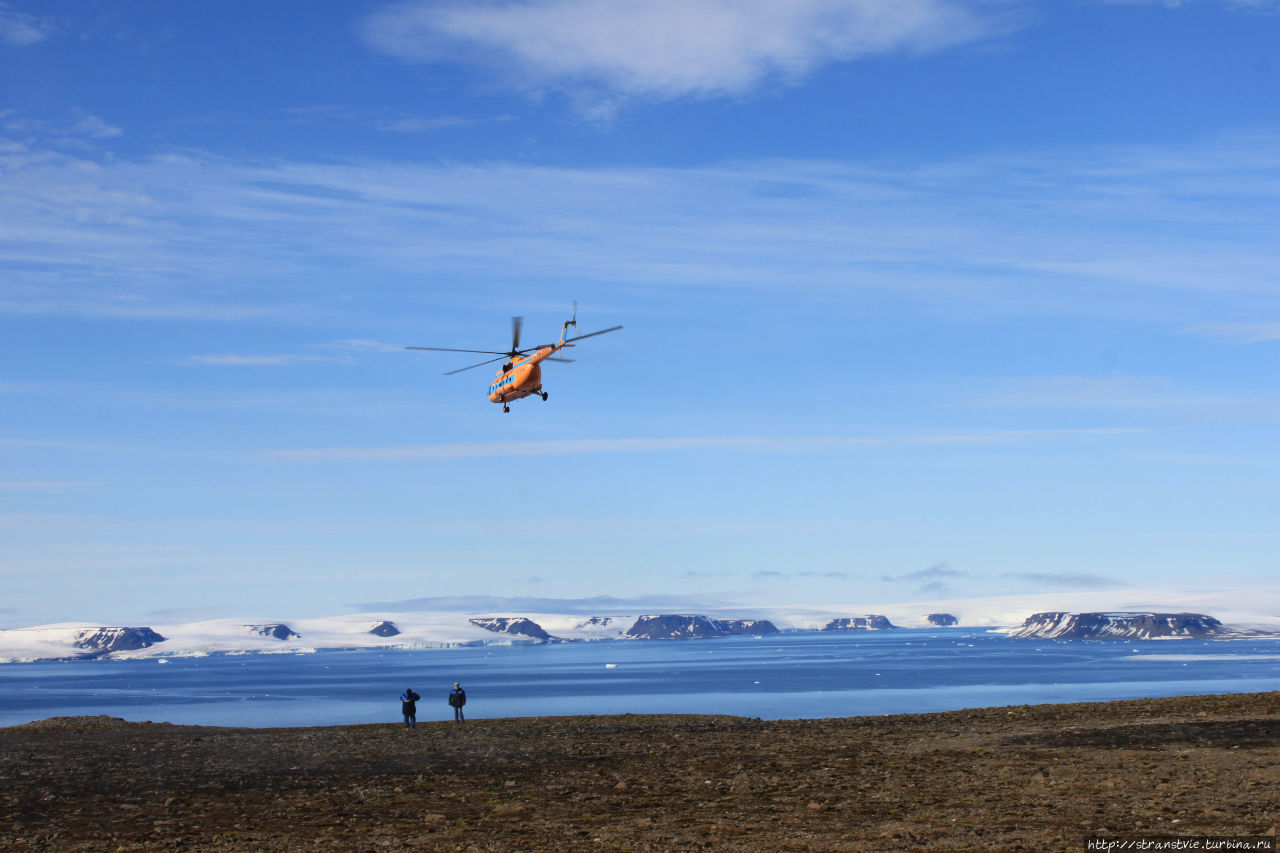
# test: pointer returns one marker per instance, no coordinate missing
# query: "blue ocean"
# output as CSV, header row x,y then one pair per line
x,y
781,676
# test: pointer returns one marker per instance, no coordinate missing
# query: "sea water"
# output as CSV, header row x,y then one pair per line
x,y
778,676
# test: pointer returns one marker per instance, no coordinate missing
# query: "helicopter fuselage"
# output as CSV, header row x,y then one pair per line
x,y
520,377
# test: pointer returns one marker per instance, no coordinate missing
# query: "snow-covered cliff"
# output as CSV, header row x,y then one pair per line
x,y
1117,626
518,625
1128,614
870,622
687,627
104,641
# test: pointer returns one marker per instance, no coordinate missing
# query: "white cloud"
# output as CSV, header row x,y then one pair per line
x,y
1077,580
748,444
44,485
1151,395
363,345
21,30
424,125
234,360
671,48
1242,332
933,573
96,128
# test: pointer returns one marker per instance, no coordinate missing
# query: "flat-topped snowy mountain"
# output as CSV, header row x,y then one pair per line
x,y
680,627
518,626
1117,626
1121,614
870,622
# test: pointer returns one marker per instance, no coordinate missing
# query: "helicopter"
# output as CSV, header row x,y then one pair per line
x,y
521,375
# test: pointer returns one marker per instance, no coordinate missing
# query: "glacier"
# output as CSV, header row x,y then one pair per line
x,y
1242,612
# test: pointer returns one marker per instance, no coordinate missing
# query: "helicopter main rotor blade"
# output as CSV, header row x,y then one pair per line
x,y
500,357
451,349
516,323
592,334
565,360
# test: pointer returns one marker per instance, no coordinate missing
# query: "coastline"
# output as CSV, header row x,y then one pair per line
x,y
1020,777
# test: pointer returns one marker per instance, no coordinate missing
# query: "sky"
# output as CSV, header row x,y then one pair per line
x,y
921,299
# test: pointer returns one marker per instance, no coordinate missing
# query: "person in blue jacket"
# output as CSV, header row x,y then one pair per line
x,y
457,699
409,707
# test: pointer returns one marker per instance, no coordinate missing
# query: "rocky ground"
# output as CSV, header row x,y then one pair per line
x,y
1036,778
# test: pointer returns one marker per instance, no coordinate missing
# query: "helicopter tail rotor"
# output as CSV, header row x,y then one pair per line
x,y
572,321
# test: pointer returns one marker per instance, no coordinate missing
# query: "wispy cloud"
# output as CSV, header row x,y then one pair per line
x,y
95,128
423,125
20,29
45,485
235,360
1092,392
669,48
934,579
1074,580
774,574
364,345
1091,232
430,124
1248,5
749,444
1159,399
934,572
1243,332
382,120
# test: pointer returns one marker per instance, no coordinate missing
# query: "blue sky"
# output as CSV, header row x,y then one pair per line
x,y
922,299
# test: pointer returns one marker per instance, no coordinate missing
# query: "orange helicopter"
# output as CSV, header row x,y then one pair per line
x,y
521,375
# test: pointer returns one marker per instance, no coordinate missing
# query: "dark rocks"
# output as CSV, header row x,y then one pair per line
x,y
104,641
673,627
384,629
870,622
516,625
693,627
942,620
1116,626
279,630
1020,778
84,724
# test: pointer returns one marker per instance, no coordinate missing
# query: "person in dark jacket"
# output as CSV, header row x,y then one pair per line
x,y
457,699
409,707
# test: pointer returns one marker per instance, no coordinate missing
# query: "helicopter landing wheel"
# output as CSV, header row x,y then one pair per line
x,y
505,408
544,396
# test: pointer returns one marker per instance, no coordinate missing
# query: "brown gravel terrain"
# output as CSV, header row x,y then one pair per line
x,y
1037,778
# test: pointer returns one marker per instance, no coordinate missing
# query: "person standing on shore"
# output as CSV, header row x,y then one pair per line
x,y
409,707
457,699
